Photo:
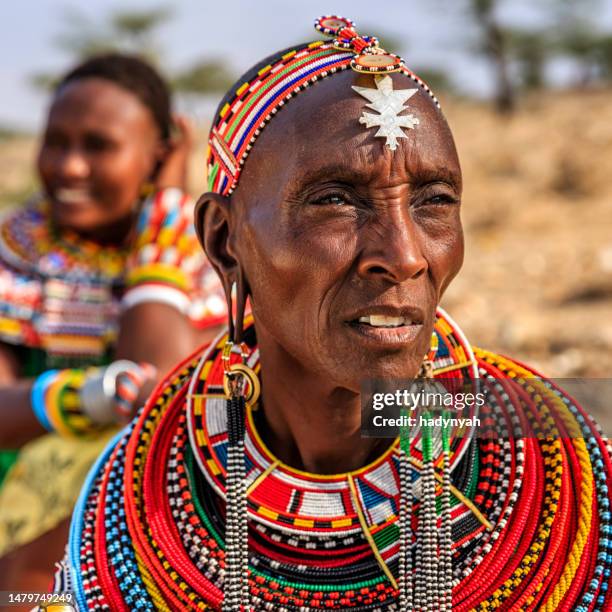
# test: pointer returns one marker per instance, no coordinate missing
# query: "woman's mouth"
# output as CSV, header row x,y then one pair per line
x,y
71,196
388,330
384,321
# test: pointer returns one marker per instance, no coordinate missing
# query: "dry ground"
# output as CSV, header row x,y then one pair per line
x,y
537,278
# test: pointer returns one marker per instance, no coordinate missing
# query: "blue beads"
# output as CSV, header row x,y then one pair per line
x,y
119,543
604,558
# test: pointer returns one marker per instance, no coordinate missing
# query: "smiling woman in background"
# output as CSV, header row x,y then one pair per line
x,y
102,266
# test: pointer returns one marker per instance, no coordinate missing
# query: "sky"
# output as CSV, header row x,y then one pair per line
x,y
432,33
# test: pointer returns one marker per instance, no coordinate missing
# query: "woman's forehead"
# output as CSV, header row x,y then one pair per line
x,y
98,100
331,129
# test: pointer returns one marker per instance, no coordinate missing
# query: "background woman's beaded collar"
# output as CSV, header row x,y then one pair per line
x,y
31,243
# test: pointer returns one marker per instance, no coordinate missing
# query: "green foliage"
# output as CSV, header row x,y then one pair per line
x,y
437,80
7,133
132,31
140,24
206,76
483,8
127,30
579,37
530,50
44,80
603,56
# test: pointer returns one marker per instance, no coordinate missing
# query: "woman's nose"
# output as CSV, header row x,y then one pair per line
x,y
74,165
392,250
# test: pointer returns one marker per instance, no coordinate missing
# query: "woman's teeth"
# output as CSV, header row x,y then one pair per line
x,y
72,196
384,321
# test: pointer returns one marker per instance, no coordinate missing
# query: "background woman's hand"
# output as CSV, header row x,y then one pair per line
x,y
174,169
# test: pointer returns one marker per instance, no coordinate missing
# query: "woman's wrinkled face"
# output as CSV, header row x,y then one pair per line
x,y
347,246
100,145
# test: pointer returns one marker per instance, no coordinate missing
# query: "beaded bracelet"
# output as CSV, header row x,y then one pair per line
x,y
65,408
57,403
37,398
79,403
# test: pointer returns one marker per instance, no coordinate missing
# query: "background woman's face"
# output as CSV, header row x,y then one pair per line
x,y
346,245
100,145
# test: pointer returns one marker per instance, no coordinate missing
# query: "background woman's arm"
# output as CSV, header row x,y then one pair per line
x,y
19,425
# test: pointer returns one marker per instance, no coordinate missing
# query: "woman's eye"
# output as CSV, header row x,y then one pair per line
x,y
54,141
96,143
334,199
440,199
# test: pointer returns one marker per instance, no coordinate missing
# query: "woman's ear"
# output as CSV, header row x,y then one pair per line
x,y
212,224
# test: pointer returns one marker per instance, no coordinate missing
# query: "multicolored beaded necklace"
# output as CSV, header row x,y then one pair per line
x,y
31,241
57,289
60,293
525,520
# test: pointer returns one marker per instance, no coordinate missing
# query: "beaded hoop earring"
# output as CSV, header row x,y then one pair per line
x,y
427,576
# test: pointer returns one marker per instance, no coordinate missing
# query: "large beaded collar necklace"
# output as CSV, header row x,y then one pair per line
x,y
31,244
58,291
526,519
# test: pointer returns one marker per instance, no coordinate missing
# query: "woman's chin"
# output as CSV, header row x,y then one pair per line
x,y
85,218
394,369
77,209
75,217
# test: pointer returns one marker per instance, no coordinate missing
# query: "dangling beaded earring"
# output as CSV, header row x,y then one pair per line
x,y
405,578
241,387
431,584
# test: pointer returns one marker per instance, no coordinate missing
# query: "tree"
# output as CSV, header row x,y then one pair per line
x,y
580,44
204,77
494,45
578,36
133,31
530,50
123,31
128,31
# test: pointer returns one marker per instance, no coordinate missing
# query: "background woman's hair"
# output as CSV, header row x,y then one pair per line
x,y
134,75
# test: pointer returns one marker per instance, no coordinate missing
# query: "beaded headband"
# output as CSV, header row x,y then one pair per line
x,y
255,102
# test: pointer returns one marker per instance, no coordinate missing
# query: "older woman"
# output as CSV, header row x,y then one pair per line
x,y
246,483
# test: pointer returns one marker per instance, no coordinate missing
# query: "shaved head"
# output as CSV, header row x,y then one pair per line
x,y
327,224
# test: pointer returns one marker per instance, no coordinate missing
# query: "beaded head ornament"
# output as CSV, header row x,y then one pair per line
x,y
254,102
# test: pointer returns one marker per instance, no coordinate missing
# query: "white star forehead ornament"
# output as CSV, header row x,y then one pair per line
x,y
389,104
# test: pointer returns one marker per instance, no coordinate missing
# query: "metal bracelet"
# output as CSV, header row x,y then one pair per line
x,y
99,390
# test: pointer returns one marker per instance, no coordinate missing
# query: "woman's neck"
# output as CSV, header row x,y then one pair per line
x,y
309,424
116,234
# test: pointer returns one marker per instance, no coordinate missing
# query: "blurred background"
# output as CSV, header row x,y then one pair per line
x,y
526,87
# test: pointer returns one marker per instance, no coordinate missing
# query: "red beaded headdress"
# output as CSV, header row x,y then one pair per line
x,y
255,102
